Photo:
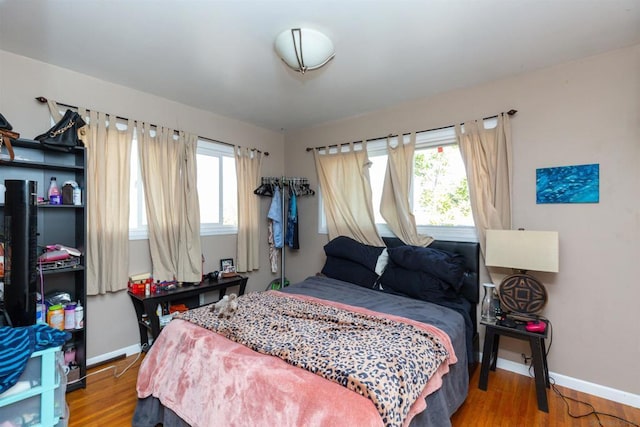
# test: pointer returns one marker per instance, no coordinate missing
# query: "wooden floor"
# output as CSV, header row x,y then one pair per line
x,y
510,401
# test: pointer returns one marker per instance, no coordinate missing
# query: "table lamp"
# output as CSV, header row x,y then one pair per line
x,y
522,250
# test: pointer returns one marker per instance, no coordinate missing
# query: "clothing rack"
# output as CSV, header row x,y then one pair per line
x,y
300,187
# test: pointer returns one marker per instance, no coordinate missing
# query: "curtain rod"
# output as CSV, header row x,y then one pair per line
x,y
44,100
510,112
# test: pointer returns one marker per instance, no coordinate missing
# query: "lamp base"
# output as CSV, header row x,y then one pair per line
x,y
522,293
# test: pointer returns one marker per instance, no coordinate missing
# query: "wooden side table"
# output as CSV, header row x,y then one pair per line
x,y
493,332
189,295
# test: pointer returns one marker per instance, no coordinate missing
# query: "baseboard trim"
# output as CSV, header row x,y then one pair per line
x,y
120,356
112,355
604,392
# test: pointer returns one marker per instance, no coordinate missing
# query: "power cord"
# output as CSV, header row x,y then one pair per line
x,y
592,411
114,367
566,399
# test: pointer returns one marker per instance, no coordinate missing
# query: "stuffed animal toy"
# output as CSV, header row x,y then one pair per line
x,y
226,307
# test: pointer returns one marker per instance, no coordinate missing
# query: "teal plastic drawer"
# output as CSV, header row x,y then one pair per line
x,y
38,399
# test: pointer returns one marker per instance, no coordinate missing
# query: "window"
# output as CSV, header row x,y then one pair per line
x,y
217,191
439,192
138,226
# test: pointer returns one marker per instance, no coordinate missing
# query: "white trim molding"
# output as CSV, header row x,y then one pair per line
x,y
128,351
598,390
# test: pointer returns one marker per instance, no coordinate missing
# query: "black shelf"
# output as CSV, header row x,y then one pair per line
x,y
35,145
56,224
63,270
48,206
39,165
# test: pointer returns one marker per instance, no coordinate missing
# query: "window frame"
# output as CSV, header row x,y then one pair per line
x,y
425,139
206,148
141,231
216,149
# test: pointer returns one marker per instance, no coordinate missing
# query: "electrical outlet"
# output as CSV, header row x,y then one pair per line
x,y
526,358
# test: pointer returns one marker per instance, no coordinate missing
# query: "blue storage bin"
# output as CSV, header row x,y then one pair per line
x,y
38,398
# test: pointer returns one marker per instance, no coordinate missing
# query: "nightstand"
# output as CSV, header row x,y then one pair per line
x,y
492,335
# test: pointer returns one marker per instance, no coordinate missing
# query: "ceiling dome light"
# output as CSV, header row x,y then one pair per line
x,y
303,49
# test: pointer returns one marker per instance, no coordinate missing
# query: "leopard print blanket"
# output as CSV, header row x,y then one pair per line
x,y
388,362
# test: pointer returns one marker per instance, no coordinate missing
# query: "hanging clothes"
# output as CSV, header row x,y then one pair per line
x,y
292,238
283,230
275,228
273,251
275,215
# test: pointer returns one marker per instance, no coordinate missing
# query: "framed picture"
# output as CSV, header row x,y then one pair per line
x,y
568,184
226,265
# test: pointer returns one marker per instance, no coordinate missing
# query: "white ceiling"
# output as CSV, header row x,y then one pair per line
x,y
218,55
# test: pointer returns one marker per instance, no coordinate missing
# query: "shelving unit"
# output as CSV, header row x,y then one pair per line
x,y
57,224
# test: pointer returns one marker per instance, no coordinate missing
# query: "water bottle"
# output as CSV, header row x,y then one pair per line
x,y
54,192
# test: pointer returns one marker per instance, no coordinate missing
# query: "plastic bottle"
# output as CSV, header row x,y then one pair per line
x,y
70,316
77,196
41,309
79,316
54,192
55,317
40,317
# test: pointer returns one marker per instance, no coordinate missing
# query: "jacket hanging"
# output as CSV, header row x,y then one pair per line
x,y
292,238
275,228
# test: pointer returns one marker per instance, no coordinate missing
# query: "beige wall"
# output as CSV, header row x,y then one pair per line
x,y
111,322
582,112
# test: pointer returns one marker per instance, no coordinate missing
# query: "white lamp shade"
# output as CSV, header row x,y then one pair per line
x,y
316,49
522,250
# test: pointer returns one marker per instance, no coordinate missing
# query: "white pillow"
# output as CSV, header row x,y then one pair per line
x,y
382,261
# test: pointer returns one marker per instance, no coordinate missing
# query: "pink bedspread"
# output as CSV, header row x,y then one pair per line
x,y
210,381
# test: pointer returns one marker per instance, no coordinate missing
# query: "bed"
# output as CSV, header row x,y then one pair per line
x,y
193,376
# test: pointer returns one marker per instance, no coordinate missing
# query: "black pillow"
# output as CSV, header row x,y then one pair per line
x,y
352,250
349,271
415,284
438,263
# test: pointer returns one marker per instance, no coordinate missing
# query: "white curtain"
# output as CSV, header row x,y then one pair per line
x,y
248,163
487,157
346,192
394,204
168,165
106,198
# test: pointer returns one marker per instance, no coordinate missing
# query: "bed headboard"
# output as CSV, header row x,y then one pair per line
x,y
470,251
